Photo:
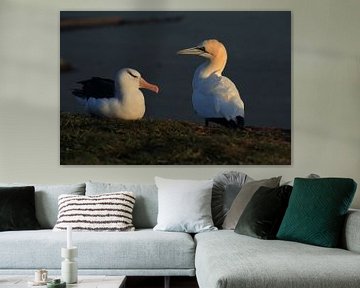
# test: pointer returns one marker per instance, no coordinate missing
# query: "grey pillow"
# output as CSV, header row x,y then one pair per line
x,y
310,176
46,200
184,205
243,198
226,187
146,204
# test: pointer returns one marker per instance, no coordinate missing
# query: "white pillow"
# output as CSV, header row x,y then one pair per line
x,y
105,212
184,205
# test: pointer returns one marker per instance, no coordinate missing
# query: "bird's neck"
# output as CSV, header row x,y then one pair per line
x,y
214,65
125,91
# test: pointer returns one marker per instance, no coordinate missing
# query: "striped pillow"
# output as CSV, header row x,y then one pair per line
x,y
105,212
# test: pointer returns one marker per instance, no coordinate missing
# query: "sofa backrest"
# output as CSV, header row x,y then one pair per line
x,y
146,203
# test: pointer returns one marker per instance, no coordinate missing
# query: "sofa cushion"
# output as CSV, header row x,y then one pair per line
x,y
137,250
184,205
243,198
263,215
46,200
17,208
146,205
105,212
317,209
225,259
225,189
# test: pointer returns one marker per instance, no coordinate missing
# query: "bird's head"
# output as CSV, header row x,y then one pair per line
x,y
128,78
209,49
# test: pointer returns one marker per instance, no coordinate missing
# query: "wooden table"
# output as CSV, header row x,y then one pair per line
x,y
84,281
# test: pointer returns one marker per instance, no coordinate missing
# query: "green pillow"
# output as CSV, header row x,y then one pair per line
x,y
263,215
316,211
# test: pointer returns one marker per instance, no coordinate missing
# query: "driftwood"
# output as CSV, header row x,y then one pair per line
x,y
81,23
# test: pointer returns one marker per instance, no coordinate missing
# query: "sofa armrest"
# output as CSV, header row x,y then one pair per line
x,y
351,234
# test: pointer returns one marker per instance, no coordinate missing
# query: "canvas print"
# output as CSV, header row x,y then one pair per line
x,y
175,88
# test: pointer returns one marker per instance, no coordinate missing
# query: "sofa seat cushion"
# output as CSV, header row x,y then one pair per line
x,y
142,249
226,259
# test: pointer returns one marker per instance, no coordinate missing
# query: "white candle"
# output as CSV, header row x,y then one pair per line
x,y
69,240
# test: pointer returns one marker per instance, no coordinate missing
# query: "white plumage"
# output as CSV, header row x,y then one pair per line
x,y
120,99
215,97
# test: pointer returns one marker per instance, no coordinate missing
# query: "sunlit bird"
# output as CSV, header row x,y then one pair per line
x,y
215,97
121,98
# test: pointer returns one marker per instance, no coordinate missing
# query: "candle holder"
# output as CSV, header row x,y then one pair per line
x,y
68,265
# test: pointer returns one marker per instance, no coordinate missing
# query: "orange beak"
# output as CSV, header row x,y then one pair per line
x,y
146,85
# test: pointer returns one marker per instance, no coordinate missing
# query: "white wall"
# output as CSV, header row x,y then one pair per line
x,y
325,100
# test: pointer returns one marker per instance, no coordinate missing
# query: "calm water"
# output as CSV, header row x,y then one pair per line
x,y
259,59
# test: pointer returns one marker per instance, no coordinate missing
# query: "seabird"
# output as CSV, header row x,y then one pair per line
x,y
120,99
215,97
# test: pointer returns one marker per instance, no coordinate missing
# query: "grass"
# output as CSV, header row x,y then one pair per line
x,y
86,140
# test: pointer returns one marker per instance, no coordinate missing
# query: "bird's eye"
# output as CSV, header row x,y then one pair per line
x,y
132,74
202,48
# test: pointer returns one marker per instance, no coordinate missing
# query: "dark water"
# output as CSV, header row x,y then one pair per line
x,y
259,59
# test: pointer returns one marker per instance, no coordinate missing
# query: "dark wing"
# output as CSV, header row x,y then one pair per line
x,y
95,87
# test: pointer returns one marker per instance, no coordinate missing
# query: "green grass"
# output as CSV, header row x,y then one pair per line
x,y
86,140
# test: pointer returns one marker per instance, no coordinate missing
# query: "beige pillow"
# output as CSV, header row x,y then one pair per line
x,y
243,198
105,212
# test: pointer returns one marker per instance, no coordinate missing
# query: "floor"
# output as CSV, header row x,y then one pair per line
x,y
158,282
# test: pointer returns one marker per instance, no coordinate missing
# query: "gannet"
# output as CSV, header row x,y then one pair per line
x,y
215,97
120,99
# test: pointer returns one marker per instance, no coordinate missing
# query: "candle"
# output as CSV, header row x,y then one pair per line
x,y
69,240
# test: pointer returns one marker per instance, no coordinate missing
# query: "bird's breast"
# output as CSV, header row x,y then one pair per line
x,y
132,106
216,96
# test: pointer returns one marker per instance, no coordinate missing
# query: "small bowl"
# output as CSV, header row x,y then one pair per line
x,y
56,283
